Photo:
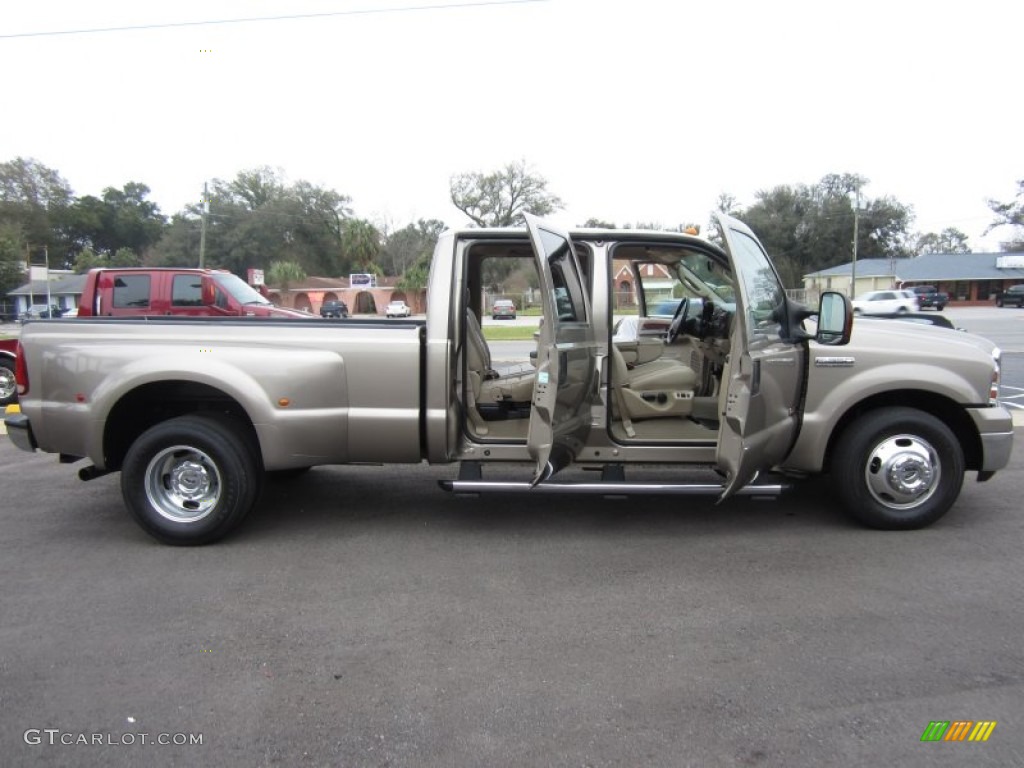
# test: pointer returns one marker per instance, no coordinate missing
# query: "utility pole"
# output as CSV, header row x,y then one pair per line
x,y
856,220
49,299
202,231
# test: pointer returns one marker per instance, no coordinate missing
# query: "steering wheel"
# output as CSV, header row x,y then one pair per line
x,y
676,326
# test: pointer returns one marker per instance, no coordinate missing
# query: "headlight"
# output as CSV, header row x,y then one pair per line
x,y
993,392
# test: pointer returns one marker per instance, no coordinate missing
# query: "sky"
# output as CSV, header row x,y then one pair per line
x,y
633,110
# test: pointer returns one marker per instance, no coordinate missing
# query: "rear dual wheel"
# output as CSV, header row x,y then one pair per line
x,y
191,480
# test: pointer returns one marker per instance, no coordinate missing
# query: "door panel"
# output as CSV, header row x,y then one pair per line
x,y
764,380
566,382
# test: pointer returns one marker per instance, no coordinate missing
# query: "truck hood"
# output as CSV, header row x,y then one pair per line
x,y
908,354
916,338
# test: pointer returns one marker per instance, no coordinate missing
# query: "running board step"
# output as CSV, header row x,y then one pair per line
x,y
608,489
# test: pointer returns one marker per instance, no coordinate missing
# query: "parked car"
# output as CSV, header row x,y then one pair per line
x,y
1011,297
71,313
397,309
885,302
503,308
40,312
929,296
334,309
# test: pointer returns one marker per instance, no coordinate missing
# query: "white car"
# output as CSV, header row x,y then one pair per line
x,y
885,303
397,309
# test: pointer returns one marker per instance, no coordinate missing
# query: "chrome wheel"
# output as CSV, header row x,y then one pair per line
x,y
8,386
903,471
183,484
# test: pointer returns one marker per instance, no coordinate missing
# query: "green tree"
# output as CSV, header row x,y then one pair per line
x,y
806,228
90,259
122,218
360,244
179,246
35,200
1010,214
406,246
727,204
254,188
320,215
256,219
949,240
500,198
415,277
12,254
282,274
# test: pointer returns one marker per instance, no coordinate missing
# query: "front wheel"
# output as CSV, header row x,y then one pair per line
x,y
898,468
191,480
8,386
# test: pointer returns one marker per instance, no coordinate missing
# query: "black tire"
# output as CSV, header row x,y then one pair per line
x,y
925,466
8,387
191,480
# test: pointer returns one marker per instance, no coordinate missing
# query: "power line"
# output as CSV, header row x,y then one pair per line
x,y
356,12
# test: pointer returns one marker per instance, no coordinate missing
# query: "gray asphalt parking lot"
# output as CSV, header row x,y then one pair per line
x,y
361,617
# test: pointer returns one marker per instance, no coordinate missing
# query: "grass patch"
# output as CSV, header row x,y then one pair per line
x,y
509,332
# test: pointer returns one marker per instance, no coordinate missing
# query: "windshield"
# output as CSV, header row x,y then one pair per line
x,y
240,290
705,278
666,275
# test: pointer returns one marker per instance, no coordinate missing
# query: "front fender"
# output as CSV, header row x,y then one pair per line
x,y
835,389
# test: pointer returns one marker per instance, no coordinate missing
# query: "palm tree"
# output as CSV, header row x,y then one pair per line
x,y
282,273
360,243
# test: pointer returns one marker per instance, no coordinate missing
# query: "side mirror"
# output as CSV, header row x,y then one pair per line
x,y
835,319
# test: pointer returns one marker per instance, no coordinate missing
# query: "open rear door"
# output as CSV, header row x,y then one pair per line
x,y
566,382
765,373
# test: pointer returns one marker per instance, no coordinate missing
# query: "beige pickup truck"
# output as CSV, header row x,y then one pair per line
x,y
738,380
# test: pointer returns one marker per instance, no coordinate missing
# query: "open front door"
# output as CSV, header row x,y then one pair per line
x,y
566,382
765,372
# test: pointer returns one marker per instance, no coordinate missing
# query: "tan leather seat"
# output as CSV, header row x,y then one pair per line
x,y
486,386
658,389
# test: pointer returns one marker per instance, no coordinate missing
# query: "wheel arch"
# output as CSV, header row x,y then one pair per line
x,y
946,410
155,402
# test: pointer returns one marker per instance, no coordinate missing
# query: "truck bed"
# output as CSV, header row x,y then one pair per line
x,y
315,392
